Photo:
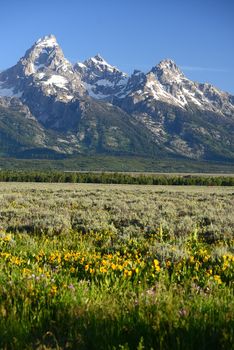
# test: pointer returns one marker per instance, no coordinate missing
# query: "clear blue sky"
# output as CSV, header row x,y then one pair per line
x,y
197,34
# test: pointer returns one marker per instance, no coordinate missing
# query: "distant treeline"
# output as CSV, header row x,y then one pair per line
x,y
116,178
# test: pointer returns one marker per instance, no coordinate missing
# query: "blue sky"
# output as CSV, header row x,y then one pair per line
x,y
197,34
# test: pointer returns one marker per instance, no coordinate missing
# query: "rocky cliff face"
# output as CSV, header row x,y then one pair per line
x,y
41,78
166,83
102,80
94,107
43,67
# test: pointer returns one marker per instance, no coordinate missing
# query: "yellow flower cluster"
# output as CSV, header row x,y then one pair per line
x,y
45,269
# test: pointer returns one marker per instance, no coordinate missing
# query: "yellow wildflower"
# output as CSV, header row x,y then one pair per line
x,y
191,259
217,279
7,238
206,258
113,266
168,263
53,290
103,269
129,273
157,268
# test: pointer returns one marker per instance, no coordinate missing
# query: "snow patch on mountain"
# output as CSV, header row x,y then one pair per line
x,y
97,95
103,81
47,41
44,67
156,89
101,64
43,70
57,80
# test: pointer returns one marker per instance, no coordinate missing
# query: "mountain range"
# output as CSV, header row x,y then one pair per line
x,y
50,107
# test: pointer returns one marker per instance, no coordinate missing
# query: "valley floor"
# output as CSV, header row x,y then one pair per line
x,y
85,266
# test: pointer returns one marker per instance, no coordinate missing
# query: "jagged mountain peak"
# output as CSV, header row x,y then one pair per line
x,y
158,110
45,54
165,82
167,71
137,72
98,63
42,70
99,58
44,46
102,80
47,41
168,64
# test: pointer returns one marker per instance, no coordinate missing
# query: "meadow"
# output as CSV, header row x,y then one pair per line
x,y
93,266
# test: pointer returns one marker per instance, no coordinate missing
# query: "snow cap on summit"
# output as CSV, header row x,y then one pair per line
x,y
47,41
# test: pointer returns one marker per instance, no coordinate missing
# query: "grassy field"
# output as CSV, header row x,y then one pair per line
x,y
87,266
